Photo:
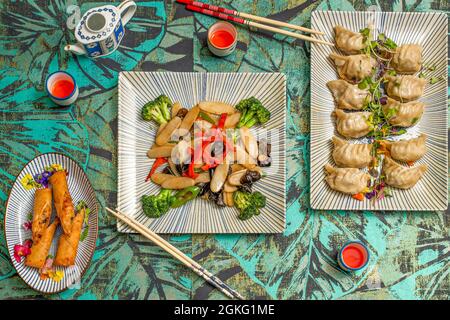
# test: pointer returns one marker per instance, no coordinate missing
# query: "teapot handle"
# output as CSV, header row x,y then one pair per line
x,y
127,9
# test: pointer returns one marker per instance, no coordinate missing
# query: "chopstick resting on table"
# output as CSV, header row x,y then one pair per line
x,y
248,16
176,253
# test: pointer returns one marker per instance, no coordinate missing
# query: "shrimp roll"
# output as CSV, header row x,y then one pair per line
x,y
63,200
42,211
68,243
40,249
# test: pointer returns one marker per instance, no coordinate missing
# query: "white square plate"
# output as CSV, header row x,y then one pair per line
x,y
427,29
137,136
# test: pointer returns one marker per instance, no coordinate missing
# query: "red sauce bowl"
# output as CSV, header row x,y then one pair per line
x,y
222,38
353,256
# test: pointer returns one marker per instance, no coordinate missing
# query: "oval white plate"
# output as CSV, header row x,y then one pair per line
x,y
20,204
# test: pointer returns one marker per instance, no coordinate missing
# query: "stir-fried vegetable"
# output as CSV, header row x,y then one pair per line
x,y
248,203
157,110
185,195
158,162
154,206
252,112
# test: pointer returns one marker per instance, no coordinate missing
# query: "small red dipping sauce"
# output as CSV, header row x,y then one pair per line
x,y
353,256
221,38
62,88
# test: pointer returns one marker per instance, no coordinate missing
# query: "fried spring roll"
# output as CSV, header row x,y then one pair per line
x,y
63,200
40,249
68,243
42,211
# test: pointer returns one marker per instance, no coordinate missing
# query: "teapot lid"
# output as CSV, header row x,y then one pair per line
x,y
97,24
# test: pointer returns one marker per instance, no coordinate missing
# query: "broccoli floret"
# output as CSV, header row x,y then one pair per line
x,y
157,110
154,206
248,203
259,199
252,112
164,105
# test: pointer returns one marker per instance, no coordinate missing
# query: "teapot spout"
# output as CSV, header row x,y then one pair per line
x,y
75,48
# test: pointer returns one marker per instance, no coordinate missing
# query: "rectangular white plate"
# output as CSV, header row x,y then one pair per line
x,y
427,29
137,136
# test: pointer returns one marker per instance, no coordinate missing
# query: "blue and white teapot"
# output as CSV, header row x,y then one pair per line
x,y
101,29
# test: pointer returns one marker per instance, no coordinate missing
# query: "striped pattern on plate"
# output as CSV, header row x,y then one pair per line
x,y
137,136
427,29
20,204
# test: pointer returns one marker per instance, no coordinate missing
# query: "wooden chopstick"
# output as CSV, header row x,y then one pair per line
x,y
249,23
248,16
176,253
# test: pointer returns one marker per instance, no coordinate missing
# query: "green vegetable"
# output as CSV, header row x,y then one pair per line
x,y
185,195
248,203
154,206
252,112
434,80
157,110
206,117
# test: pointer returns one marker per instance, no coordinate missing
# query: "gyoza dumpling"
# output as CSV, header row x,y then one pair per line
x,y
405,88
403,114
346,180
348,41
352,124
401,177
351,155
408,150
348,96
353,68
407,58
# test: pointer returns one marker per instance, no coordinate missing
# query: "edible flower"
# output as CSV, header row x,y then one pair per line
x,y
28,182
358,196
22,250
27,225
54,167
48,271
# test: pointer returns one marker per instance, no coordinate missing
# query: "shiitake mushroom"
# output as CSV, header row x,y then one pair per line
x,y
250,176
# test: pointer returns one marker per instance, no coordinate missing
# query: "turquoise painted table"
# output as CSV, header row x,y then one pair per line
x,y
410,250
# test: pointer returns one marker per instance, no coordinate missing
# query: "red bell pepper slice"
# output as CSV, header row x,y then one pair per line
x,y
221,123
158,162
191,172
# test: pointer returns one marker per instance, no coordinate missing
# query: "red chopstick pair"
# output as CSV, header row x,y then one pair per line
x,y
243,18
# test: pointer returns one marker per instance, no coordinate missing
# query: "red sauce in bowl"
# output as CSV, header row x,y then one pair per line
x,y
222,39
62,88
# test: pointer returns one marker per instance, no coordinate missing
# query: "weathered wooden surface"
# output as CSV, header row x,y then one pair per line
x,y
410,250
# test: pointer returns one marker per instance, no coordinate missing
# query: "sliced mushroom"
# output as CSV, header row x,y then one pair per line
x,y
161,127
180,153
236,167
203,178
173,167
176,183
235,178
164,136
219,177
182,113
175,108
228,198
217,107
250,143
159,178
160,151
190,118
232,120
243,158
229,188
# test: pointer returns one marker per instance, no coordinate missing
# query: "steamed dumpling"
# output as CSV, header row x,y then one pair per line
x,y
407,58
348,41
402,177
405,88
403,114
346,180
351,155
408,150
348,96
353,68
352,124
